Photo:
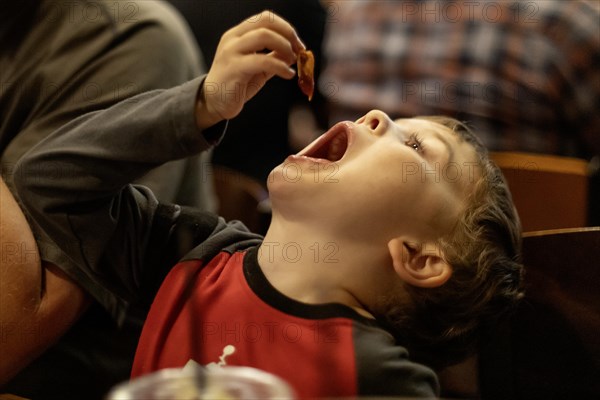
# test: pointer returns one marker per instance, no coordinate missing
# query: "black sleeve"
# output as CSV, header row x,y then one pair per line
x,y
76,187
384,368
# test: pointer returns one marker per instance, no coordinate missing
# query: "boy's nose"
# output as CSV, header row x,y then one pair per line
x,y
377,122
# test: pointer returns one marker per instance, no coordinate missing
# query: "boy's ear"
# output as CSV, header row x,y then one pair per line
x,y
419,264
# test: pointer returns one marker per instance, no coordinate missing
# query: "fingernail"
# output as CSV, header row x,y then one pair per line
x,y
302,46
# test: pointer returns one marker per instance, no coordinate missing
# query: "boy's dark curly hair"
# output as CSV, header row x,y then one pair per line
x,y
441,326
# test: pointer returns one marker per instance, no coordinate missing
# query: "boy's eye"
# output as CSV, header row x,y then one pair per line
x,y
415,142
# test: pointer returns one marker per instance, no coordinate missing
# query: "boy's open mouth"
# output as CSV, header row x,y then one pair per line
x,y
331,146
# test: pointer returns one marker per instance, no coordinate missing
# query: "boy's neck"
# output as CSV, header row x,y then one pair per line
x,y
314,268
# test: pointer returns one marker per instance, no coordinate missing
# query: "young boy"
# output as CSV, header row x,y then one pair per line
x,y
385,235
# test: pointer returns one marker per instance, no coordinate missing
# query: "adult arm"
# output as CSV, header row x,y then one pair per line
x,y
38,303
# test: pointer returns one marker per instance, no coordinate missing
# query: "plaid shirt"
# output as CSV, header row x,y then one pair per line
x,y
525,75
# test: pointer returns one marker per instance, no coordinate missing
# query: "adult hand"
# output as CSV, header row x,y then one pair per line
x,y
248,55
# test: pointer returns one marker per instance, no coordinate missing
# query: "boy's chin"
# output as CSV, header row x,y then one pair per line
x,y
274,177
277,185
289,195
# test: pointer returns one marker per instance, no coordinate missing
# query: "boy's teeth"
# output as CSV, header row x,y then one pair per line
x,y
334,149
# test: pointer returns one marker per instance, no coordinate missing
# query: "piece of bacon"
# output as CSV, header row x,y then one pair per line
x,y
306,68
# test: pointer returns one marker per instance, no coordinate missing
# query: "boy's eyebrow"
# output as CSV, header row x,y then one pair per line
x,y
449,148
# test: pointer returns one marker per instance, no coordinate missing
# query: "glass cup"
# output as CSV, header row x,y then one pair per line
x,y
194,382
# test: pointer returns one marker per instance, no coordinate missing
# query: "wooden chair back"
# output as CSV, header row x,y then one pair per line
x,y
550,349
549,192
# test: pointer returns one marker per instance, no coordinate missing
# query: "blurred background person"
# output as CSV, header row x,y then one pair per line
x,y
60,59
526,75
